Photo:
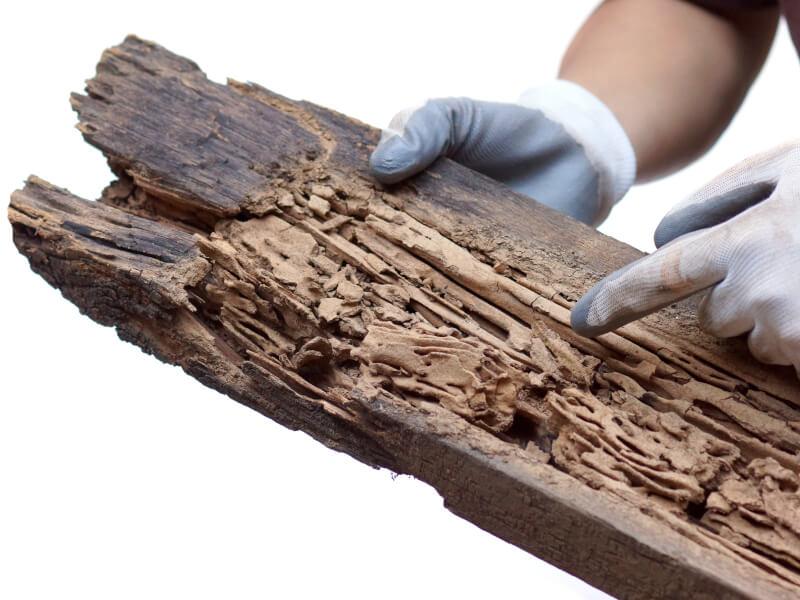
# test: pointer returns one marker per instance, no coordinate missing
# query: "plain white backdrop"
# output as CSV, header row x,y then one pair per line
x,y
121,477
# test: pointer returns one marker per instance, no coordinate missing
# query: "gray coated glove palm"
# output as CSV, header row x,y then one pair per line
x,y
528,147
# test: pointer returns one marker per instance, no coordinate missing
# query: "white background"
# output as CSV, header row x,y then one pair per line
x,y
121,477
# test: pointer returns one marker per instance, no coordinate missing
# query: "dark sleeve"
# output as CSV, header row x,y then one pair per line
x,y
734,4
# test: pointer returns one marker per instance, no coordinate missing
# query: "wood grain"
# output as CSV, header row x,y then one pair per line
x,y
423,328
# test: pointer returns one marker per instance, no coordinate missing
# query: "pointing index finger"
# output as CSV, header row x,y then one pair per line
x,y
689,264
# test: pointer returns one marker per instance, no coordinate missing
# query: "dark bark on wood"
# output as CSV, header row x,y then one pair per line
x,y
423,328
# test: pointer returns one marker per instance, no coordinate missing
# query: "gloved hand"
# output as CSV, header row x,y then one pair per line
x,y
739,234
559,145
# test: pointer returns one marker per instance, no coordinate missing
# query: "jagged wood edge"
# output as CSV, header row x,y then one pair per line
x,y
531,505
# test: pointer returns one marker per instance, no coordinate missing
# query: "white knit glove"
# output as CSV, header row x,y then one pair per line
x,y
739,234
559,144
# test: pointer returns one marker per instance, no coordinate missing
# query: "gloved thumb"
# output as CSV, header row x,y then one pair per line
x,y
731,193
414,139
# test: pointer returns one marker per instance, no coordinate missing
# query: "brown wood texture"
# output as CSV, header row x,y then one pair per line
x,y
423,328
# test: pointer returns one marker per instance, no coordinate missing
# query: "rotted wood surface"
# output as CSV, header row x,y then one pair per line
x,y
423,328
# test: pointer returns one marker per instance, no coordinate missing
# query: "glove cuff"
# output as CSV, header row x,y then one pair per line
x,y
592,124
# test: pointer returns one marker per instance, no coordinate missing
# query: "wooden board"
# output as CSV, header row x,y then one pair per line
x,y
423,328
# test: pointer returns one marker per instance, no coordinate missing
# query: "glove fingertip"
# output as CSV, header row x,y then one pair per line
x,y
666,231
383,170
395,160
579,315
388,163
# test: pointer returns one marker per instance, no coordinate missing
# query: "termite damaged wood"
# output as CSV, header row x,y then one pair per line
x,y
423,328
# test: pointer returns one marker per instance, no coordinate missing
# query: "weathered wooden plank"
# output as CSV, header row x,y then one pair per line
x,y
423,328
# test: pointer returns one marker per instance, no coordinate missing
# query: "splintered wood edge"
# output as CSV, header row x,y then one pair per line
x,y
503,491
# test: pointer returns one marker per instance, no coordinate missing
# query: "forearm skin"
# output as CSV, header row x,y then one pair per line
x,y
674,74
